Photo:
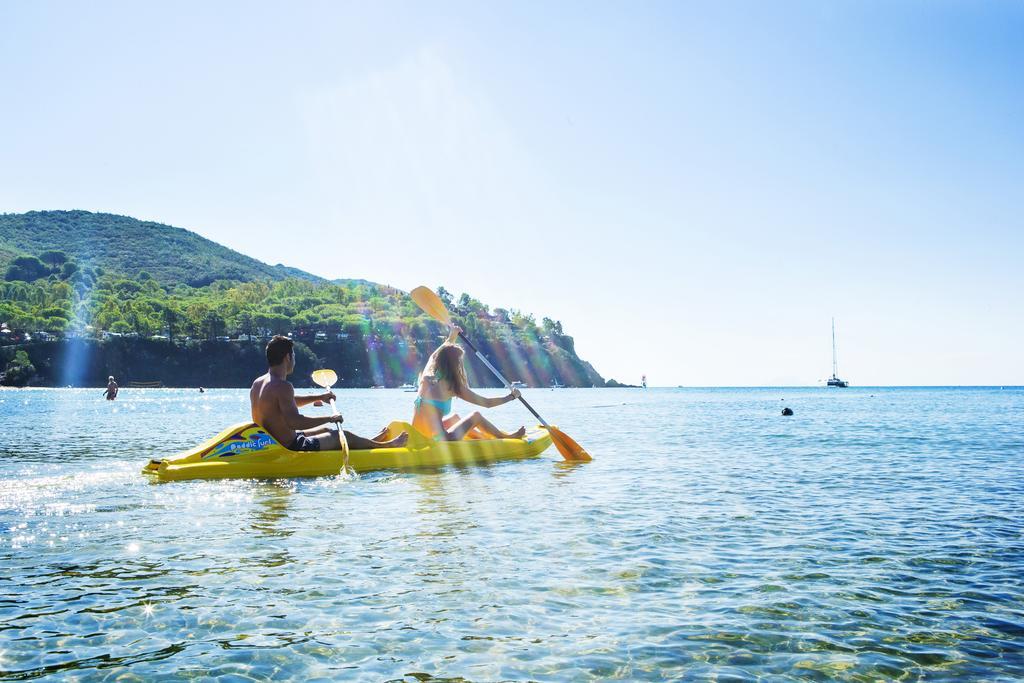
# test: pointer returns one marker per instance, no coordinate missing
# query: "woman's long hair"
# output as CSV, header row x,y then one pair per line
x,y
446,364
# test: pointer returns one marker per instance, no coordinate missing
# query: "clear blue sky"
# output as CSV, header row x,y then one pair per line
x,y
694,190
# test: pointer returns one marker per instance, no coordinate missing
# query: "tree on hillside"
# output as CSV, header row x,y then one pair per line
x,y
552,327
20,370
524,321
274,323
468,305
56,324
214,325
170,317
8,311
26,269
54,259
127,288
245,323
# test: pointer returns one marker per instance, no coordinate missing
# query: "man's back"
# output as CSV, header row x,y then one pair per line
x,y
266,396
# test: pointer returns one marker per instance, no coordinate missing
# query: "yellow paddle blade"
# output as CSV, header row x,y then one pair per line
x,y
431,304
325,378
569,449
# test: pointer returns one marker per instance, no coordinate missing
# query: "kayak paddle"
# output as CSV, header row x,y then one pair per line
x,y
433,306
326,378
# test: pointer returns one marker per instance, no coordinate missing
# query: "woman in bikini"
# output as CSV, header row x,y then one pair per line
x,y
444,378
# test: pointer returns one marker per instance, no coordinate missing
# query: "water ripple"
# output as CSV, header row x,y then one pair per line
x,y
875,535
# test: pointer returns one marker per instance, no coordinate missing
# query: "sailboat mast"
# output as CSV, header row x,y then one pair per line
x,y
834,368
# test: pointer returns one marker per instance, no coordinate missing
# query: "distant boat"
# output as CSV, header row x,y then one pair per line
x,y
408,387
834,381
518,385
556,385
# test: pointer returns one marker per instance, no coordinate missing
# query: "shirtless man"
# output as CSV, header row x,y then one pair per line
x,y
275,407
111,393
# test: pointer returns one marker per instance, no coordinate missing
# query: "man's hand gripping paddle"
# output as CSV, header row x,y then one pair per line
x,y
326,378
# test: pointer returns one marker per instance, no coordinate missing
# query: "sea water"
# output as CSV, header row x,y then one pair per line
x,y
875,534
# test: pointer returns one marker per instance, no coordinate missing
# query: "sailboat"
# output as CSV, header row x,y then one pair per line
x,y
834,381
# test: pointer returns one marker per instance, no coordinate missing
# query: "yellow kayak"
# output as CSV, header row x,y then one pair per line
x,y
247,451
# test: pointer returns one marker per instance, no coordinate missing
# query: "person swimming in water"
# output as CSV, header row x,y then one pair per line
x,y
444,378
111,391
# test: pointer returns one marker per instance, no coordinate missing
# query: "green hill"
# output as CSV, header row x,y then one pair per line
x,y
127,245
151,302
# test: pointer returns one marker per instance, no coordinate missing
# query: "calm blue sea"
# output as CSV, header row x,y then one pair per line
x,y
877,534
